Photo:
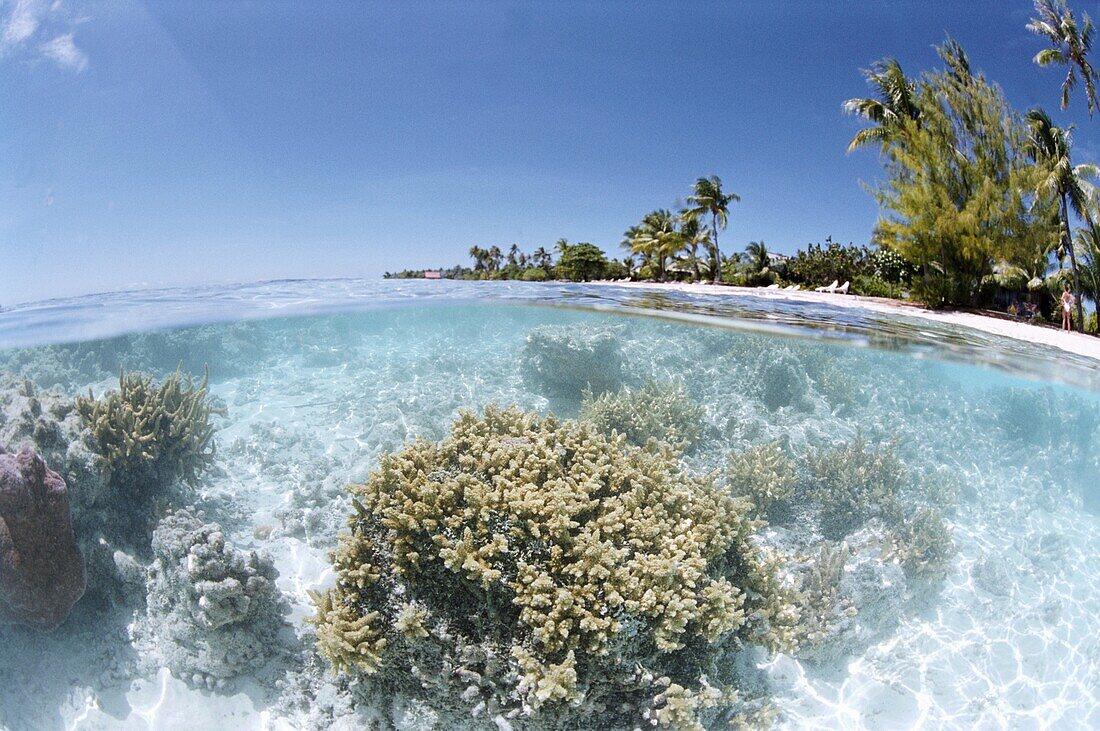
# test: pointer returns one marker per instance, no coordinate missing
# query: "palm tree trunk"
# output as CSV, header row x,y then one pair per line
x,y
715,256
1073,261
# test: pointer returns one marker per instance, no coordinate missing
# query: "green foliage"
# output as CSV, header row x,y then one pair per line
x,y
871,286
708,200
663,412
534,274
617,270
959,194
887,111
854,483
655,239
533,567
1070,45
152,434
817,265
765,475
889,266
581,263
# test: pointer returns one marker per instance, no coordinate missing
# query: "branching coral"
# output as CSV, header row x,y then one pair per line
x,y
150,433
923,545
854,483
765,475
526,563
820,595
663,412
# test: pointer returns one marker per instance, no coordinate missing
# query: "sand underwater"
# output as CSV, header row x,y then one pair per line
x,y
1004,634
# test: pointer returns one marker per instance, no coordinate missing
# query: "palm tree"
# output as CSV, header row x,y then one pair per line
x,y
1069,47
541,258
708,198
1049,148
694,235
655,239
478,255
495,258
758,255
513,256
894,103
637,243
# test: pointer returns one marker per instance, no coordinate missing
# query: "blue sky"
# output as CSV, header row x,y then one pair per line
x,y
149,144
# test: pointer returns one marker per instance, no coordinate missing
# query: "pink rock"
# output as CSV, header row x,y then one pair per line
x,y
41,568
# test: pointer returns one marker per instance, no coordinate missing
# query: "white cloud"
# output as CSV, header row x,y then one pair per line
x,y
65,53
22,22
38,27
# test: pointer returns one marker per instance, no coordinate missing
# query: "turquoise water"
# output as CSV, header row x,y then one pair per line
x,y
318,379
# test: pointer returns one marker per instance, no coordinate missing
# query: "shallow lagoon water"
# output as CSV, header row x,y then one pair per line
x,y
318,379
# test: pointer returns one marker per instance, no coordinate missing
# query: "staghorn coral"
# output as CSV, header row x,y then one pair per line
x,y
542,572
663,412
851,596
152,434
923,545
854,483
213,612
765,475
563,361
820,595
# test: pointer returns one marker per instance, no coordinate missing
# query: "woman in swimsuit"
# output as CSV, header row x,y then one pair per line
x,y
1067,305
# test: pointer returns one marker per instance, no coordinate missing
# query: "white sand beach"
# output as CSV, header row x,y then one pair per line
x,y
1071,342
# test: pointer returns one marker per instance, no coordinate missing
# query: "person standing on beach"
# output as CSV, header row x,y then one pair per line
x,y
1067,305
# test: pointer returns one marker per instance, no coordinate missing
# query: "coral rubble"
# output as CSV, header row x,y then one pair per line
x,y
213,612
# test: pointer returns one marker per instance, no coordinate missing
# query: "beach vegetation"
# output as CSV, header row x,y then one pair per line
x,y
656,239
546,572
1068,186
580,262
709,201
961,192
1070,45
893,106
534,274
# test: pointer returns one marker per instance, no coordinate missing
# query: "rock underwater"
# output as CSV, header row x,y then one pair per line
x,y
41,568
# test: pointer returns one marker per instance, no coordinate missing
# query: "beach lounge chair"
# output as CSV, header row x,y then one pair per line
x,y
830,288
793,288
772,286
842,289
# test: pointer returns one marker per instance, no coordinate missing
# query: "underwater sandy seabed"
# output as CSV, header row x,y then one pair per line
x,y
1010,638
